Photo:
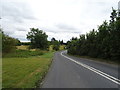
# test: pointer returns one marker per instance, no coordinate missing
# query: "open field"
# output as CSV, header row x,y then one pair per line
x,y
23,47
25,72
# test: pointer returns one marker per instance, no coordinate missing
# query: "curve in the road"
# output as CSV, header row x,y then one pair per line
x,y
109,77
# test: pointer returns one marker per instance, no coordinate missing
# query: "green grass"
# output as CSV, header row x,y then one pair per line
x,y
23,53
25,72
47,55
0,61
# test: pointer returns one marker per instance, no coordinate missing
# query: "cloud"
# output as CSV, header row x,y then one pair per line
x,y
21,35
16,11
19,29
66,27
14,16
61,19
62,35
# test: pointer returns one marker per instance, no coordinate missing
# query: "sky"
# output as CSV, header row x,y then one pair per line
x,y
62,19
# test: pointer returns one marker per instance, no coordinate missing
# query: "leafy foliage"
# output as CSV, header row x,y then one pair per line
x,y
102,43
55,43
38,39
25,43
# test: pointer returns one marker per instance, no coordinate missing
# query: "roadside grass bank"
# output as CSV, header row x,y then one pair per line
x,y
114,62
25,68
23,53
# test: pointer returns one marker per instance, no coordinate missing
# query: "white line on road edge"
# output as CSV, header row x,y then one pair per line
x,y
109,77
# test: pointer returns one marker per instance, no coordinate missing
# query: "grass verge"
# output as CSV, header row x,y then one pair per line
x,y
25,72
23,53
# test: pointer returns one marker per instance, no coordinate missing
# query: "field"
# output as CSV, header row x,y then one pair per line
x,y
25,69
22,47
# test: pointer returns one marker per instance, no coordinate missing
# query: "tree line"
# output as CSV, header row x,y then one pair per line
x,y
101,43
38,40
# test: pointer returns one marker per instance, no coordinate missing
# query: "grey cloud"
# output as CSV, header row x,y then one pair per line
x,y
60,30
77,32
14,16
19,29
23,39
55,32
16,12
17,15
65,26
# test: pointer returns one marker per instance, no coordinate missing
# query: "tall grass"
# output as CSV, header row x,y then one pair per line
x,y
23,47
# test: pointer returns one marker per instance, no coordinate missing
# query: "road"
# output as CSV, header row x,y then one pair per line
x,y
73,72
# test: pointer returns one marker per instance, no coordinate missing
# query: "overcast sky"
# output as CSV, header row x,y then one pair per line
x,y
62,19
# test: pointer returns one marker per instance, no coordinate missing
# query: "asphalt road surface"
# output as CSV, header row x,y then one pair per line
x,y
72,72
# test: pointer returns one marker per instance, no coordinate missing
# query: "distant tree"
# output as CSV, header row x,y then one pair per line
x,y
25,43
74,38
38,38
61,42
18,43
56,45
53,39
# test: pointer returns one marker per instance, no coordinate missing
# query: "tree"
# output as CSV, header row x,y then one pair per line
x,y
53,39
56,45
113,16
38,38
102,43
61,42
18,43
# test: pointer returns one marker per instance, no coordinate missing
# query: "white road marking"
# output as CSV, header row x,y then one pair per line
x,y
109,77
